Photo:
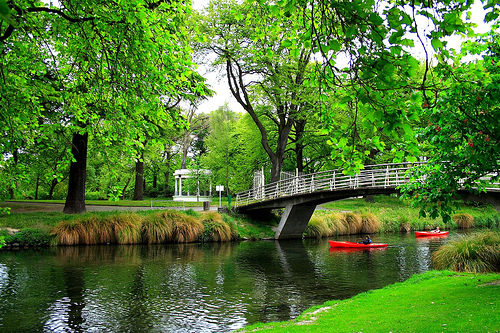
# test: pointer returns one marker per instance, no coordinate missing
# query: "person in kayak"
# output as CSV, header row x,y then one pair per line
x,y
366,241
437,230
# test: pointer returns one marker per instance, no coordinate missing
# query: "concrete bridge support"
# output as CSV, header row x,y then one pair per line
x,y
491,197
294,221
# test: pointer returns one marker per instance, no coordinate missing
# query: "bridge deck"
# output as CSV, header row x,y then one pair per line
x,y
300,195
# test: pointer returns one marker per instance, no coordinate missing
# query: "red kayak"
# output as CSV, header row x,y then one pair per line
x,y
352,245
430,233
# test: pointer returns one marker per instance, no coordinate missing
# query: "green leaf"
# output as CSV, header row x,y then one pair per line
x,y
436,44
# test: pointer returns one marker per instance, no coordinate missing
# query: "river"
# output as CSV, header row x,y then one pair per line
x,y
193,287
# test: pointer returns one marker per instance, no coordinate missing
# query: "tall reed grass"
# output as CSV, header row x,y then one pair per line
x,y
216,229
354,222
369,223
330,224
475,253
157,228
463,220
185,228
151,228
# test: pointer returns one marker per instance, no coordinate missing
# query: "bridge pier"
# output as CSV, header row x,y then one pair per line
x,y
294,221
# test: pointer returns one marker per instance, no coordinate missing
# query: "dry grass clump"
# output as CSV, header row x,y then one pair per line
x,y
370,223
476,253
185,228
329,224
215,229
317,227
355,223
157,228
126,227
67,233
122,228
337,223
463,221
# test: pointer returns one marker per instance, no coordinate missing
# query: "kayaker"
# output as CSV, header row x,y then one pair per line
x,y
367,240
437,230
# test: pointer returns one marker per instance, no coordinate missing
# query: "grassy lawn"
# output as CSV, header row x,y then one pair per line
x,y
436,301
392,212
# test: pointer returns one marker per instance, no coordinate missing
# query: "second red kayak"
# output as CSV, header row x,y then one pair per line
x,y
430,233
352,245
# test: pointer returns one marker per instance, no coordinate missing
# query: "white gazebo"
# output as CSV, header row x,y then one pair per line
x,y
200,194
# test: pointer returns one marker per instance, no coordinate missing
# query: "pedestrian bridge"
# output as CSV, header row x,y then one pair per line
x,y
300,195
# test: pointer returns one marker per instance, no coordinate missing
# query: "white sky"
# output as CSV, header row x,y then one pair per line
x,y
218,81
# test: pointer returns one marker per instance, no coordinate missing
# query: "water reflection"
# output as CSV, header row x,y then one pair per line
x,y
192,287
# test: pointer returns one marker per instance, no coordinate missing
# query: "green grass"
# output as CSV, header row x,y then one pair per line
x,y
397,215
40,220
478,252
157,202
436,301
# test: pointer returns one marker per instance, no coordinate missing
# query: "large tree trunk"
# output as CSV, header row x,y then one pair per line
x,y
75,200
284,121
52,187
167,173
139,179
124,189
37,186
299,126
155,180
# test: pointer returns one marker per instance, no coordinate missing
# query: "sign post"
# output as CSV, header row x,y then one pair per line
x,y
219,188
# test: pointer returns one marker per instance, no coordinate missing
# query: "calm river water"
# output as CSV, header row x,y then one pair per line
x,y
193,287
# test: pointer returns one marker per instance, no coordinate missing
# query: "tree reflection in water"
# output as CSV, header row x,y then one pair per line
x,y
191,287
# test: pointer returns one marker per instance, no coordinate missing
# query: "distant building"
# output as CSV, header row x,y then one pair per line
x,y
193,185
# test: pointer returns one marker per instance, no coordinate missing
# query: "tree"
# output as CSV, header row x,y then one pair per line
x,y
222,145
267,80
114,65
366,49
463,130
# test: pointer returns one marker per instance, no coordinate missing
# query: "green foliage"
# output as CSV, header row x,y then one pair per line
x,y
442,298
475,253
29,237
216,229
463,221
114,70
462,133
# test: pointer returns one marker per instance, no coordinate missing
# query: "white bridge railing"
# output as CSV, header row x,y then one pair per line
x,y
383,175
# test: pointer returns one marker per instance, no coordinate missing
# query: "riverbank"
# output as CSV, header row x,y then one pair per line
x,y
385,214
435,301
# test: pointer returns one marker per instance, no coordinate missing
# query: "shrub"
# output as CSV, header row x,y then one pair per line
x,y
463,221
156,228
476,253
370,223
94,196
29,237
215,229
317,227
354,222
185,228
337,224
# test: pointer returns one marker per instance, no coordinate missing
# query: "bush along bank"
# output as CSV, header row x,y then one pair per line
x,y
478,252
327,223
147,227
155,228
